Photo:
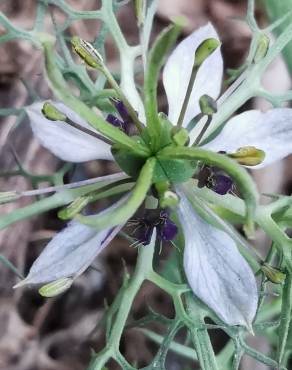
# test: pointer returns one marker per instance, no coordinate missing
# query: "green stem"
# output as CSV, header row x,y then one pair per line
x,y
143,267
128,55
57,200
123,97
188,95
200,337
250,86
286,315
178,348
204,129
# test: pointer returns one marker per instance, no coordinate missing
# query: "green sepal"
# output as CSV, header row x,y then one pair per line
x,y
128,161
174,170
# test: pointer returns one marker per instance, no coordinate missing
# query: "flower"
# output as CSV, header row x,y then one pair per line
x,y
269,131
214,268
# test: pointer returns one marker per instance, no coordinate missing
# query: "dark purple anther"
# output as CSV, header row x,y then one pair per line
x,y
167,231
120,107
144,234
115,121
212,178
159,219
222,184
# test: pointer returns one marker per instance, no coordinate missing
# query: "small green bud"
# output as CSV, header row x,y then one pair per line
x,y
262,48
205,49
8,196
180,136
273,274
162,187
208,105
56,287
140,11
248,156
74,208
87,52
52,113
168,199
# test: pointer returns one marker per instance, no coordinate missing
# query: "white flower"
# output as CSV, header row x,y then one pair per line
x,y
215,270
270,131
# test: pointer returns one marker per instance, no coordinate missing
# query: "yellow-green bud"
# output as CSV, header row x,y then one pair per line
x,y
248,156
168,199
180,136
262,48
205,49
208,105
56,287
162,186
74,208
140,11
8,196
87,52
273,274
52,113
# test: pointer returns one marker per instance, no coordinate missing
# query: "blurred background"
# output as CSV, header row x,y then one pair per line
x,y
39,334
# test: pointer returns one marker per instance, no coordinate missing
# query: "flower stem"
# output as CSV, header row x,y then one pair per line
x,y
188,95
202,132
200,337
123,97
143,267
286,316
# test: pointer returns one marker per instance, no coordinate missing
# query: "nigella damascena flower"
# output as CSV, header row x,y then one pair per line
x,y
214,268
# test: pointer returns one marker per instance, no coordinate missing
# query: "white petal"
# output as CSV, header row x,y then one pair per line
x,y
69,253
215,270
63,140
178,69
270,131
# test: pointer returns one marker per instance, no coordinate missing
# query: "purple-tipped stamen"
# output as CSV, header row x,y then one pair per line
x,y
120,107
115,121
222,184
212,178
166,229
